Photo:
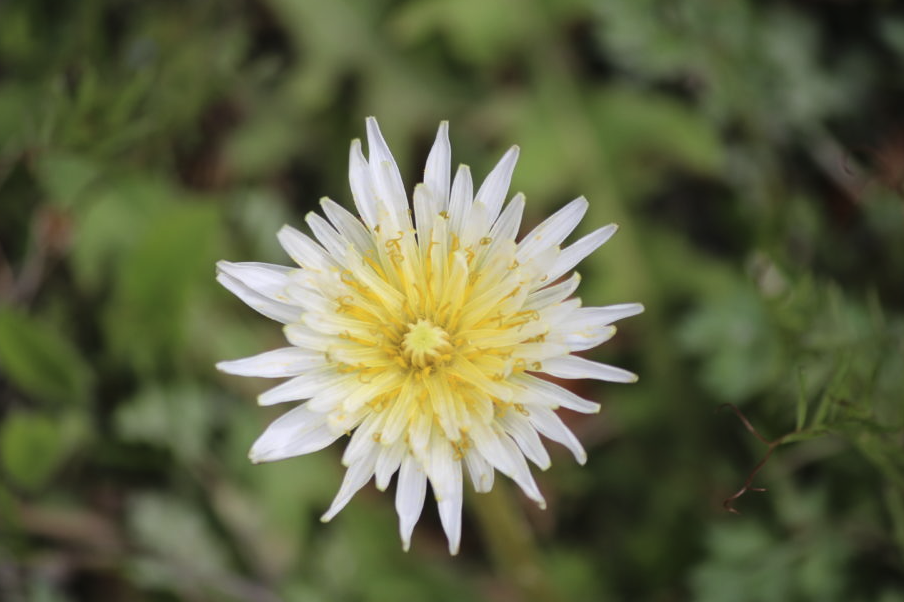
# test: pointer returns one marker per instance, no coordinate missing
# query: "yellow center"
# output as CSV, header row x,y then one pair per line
x,y
426,345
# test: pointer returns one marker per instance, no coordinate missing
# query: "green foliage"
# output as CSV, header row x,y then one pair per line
x,y
748,151
30,449
40,361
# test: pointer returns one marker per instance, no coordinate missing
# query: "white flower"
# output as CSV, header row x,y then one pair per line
x,y
420,341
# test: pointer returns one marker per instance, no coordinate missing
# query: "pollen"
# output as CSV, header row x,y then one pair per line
x,y
426,345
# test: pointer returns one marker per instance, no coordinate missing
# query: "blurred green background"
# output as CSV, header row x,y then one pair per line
x,y
752,152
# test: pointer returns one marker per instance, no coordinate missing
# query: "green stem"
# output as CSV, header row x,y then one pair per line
x,y
511,543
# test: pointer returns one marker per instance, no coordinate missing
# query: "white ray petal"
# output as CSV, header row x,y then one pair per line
x,y
600,316
437,171
330,397
362,441
357,475
349,226
388,463
460,198
384,173
481,471
520,429
494,188
450,508
265,278
424,216
410,492
586,338
574,254
281,312
553,294
304,336
297,432
301,387
279,363
499,449
572,366
506,227
361,185
554,229
303,250
327,236
551,426
544,393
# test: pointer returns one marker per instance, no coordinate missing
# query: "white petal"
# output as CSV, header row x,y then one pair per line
x,y
384,173
493,190
436,173
480,470
588,338
388,463
279,363
460,198
331,395
572,255
572,366
295,433
554,229
499,449
326,235
520,429
552,294
506,227
410,491
265,278
274,310
362,441
450,509
600,316
342,423
349,226
361,185
304,251
356,477
301,387
425,215
441,467
542,392
304,336
550,425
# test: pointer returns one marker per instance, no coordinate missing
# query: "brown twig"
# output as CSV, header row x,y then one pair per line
x,y
728,503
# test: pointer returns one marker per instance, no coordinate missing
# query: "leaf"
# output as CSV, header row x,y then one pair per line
x,y
179,418
40,361
30,449
65,176
170,263
176,532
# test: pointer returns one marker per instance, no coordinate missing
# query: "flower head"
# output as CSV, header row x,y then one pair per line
x,y
422,341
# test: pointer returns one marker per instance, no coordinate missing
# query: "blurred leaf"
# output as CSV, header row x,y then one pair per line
x,y
64,176
171,262
641,132
38,359
481,33
176,534
31,449
112,223
179,418
736,341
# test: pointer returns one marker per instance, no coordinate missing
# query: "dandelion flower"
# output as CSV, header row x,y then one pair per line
x,y
423,341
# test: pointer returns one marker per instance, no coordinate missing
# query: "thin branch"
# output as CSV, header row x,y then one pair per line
x,y
728,503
